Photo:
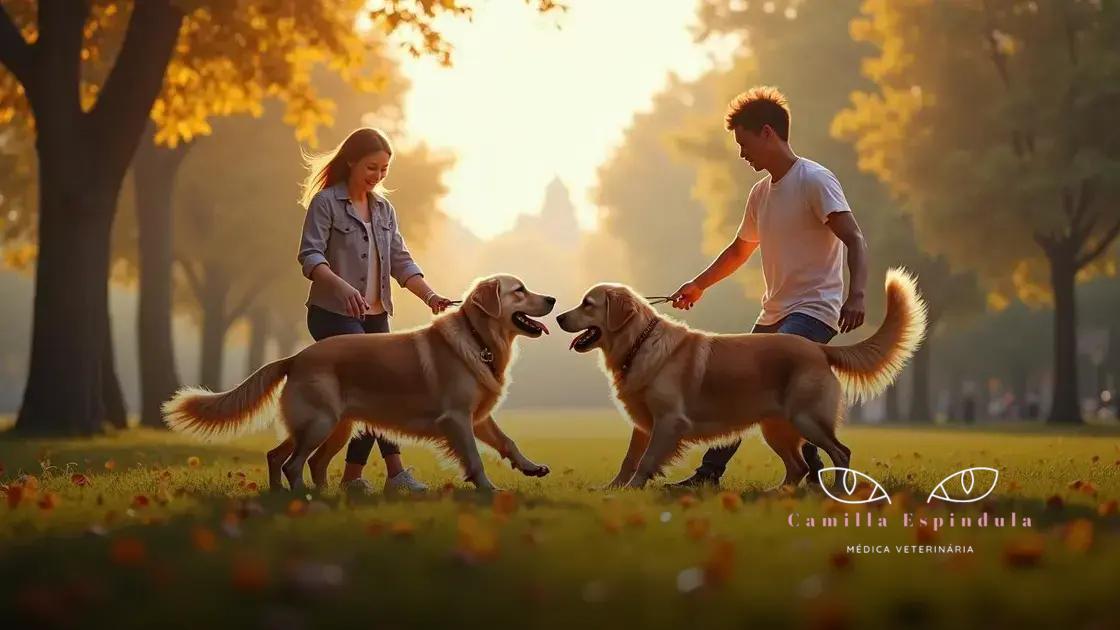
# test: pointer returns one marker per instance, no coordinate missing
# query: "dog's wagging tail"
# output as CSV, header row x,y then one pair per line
x,y
217,415
868,367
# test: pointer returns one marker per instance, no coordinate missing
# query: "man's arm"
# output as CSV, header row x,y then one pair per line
x,y
844,226
730,259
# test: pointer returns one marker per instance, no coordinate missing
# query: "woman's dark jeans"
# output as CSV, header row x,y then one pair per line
x,y
322,323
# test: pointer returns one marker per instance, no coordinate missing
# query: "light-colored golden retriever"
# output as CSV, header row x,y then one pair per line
x,y
438,382
681,386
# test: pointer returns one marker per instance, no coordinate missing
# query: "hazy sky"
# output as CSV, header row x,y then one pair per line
x,y
526,101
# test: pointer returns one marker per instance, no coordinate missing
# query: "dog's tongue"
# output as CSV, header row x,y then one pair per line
x,y
572,346
543,327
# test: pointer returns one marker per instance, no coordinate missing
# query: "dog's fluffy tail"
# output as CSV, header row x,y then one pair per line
x,y
868,367
216,415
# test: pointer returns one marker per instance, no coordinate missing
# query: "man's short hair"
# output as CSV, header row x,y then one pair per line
x,y
758,106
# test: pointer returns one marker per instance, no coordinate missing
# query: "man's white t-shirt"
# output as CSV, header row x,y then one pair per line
x,y
802,260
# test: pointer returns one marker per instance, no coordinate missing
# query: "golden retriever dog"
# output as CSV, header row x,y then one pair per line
x,y
435,383
681,386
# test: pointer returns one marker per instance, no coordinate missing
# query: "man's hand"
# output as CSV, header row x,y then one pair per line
x,y
851,314
687,295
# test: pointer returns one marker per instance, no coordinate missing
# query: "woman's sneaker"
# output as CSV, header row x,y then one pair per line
x,y
404,482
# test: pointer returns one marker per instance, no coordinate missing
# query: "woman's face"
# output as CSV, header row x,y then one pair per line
x,y
369,171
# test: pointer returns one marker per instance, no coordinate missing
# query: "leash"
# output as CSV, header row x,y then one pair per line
x,y
658,299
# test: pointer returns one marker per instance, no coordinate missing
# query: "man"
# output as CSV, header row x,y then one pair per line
x,y
800,221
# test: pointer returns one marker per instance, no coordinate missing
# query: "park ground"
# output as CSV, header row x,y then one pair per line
x,y
141,527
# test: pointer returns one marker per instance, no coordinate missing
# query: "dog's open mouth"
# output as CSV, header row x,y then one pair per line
x,y
586,339
532,327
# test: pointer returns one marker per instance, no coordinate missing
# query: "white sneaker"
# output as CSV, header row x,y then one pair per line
x,y
359,486
404,482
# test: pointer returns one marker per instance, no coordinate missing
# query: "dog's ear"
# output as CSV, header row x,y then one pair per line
x,y
620,308
486,297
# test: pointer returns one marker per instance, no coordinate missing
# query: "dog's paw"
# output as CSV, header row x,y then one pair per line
x,y
536,470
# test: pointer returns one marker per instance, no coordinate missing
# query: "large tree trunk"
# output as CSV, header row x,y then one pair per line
x,y
920,375
1065,407
154,170
214,326
82,160
65,387
893,403
258,337
116,414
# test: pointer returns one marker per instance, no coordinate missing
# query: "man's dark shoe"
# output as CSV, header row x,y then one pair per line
x,y
700,479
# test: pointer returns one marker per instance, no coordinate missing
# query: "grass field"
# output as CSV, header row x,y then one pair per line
x,y
144,527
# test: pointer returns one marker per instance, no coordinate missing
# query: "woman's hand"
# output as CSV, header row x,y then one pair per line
x,y
437,303
356,305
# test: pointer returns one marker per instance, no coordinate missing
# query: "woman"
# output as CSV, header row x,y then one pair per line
x,y
351,246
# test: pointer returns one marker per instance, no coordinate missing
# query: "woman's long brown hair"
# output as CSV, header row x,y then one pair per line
x,y
327,169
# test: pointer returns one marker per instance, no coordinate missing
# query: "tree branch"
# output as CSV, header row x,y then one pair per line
x,y
193,281
126,98
1099,247
15,52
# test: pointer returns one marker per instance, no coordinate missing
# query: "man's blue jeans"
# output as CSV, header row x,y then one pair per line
x,y
811,328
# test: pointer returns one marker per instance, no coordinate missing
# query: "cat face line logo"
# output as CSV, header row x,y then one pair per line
x,y
849,479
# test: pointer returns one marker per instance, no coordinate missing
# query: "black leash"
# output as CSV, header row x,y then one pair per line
x,y
485,355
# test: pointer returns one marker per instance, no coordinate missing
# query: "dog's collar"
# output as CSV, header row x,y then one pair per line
x,y
484,354
637,346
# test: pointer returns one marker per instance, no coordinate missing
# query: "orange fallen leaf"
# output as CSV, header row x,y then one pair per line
x,y
1075,485
402,529
731,501
720,563
193,461
688,501
15,496
248,574
840,560
203,539
79,479
375,528
297,507
697,528
1088,489
1079,535
636,519
1108,508
140,501
612,523
476,541
110,465
1024,551
505,503
49,501
129,552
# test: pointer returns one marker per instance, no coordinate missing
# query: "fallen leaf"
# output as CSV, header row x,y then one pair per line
x,y
697,528
128,552
505,503
688,501
110,465
1024,551
193,461
1079,535
731,501
1108,508
636,519
79,479
49,501
204,539
720,563
15,496
248,574
140,501
403,529
297,507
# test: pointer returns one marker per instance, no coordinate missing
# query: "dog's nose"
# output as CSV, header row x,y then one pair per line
x,y
551,300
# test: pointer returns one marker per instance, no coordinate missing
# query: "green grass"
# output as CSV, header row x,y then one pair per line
x,y
206,550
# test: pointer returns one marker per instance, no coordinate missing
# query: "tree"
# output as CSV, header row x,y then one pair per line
x,y
991,121
87,75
